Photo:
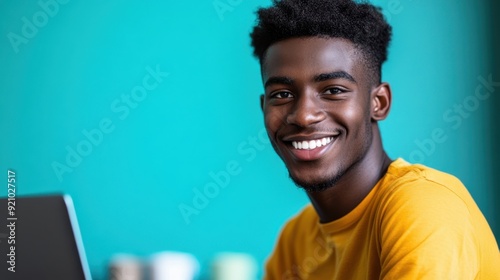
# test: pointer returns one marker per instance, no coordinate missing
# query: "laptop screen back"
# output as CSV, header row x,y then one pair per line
x,y
41,240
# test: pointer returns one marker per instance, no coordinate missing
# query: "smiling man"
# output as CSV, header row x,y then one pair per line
x,y
370,217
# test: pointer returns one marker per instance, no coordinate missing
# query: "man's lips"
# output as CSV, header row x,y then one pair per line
x,y
310,147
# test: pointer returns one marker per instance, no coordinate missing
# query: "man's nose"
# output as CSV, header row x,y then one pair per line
x,y
306,111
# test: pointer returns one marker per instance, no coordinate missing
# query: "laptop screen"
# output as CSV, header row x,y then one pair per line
x,y
40,239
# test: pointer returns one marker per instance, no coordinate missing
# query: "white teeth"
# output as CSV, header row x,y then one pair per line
x,y
313,144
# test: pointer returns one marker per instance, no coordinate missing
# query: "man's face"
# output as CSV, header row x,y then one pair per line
x,y
317,107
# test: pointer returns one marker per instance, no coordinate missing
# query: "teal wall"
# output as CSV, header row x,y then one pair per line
x,y
135,108
495,114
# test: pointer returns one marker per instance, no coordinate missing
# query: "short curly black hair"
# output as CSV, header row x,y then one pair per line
x,y
361,23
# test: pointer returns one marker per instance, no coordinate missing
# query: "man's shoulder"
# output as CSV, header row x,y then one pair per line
x,y
422,211
304,222
416,190
422,193
403,176
307,215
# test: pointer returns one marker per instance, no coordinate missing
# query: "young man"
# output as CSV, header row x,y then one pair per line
x,y
370,217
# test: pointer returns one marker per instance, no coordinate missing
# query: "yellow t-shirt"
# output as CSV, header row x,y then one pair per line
x,y
416,223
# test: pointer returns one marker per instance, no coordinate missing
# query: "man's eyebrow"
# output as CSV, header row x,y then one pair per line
x,y
334,75
279,81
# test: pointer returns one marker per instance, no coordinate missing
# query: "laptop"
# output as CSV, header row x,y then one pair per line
x,y
40,239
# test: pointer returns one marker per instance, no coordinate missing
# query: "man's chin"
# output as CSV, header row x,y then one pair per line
x,y
315,185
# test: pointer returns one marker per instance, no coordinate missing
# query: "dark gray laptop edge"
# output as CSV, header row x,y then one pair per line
x,y
44,240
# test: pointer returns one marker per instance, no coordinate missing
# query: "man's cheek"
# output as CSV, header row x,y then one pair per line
x,y
273,121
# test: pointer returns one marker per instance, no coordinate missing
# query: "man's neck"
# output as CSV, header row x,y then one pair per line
x,y
340,199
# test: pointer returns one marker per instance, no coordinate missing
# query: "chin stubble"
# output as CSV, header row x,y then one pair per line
x,y
319,186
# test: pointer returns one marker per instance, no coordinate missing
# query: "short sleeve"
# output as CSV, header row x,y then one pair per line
x,y
426,232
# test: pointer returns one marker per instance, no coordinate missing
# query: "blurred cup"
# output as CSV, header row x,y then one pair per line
x,y
173,266
234,266
125,267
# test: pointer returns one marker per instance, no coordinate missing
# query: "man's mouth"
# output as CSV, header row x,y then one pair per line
x,y
311,144
309,147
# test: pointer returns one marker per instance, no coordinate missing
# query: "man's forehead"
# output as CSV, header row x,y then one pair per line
x,y
310,56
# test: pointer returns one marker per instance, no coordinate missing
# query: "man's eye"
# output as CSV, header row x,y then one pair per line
x,y
281,95
334,91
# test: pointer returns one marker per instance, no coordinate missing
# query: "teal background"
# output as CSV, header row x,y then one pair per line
x,y
205,115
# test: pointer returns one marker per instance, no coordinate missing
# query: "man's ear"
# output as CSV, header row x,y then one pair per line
x,y
262,102
381,99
